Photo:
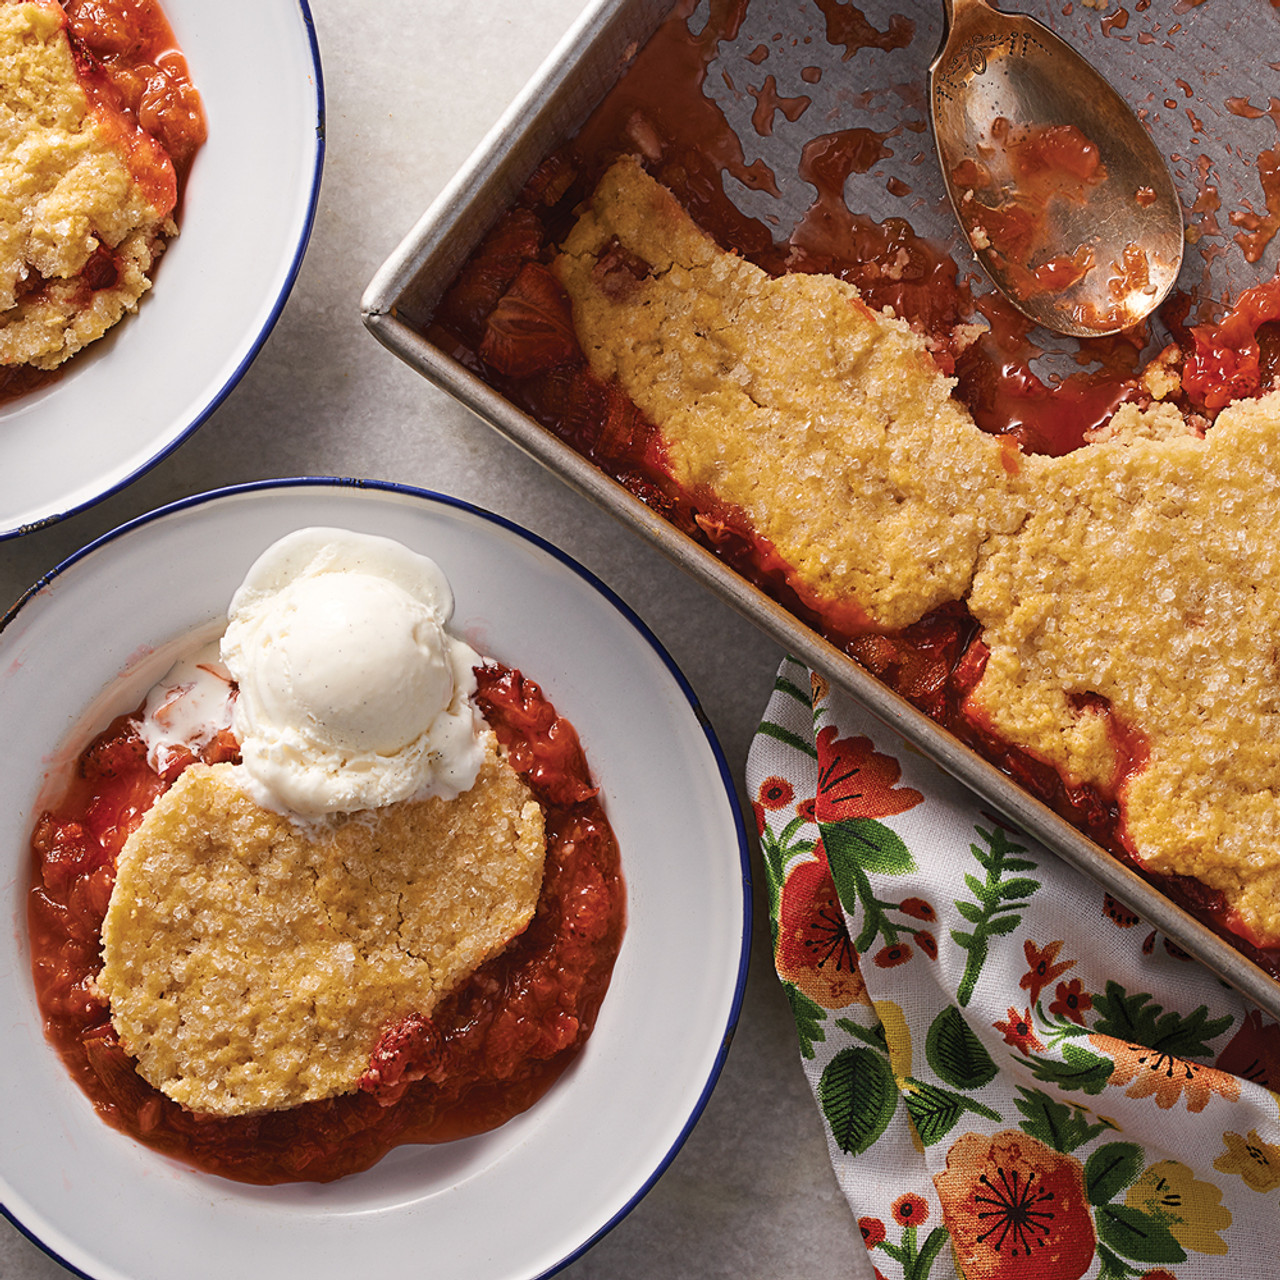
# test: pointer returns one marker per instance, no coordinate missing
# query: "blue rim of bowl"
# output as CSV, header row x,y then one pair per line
x,y
251,354
605,591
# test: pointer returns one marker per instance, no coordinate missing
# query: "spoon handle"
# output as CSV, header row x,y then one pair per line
x,y
952,8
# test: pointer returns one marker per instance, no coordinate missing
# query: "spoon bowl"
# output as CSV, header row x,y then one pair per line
x,y
1059,188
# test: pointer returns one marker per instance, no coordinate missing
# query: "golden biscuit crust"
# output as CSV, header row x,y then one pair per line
x,y
1146,573
826,422
64,192
252,964
1140,572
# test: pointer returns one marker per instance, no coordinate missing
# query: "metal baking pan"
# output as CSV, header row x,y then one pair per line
x,y
1168,75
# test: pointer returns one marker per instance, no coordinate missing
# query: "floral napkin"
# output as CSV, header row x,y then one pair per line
x,y
1018,1077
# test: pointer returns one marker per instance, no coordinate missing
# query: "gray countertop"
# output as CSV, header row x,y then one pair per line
x,y
412,86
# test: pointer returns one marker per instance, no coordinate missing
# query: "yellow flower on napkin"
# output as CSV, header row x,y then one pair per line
x,y
1192,1210
1257,1162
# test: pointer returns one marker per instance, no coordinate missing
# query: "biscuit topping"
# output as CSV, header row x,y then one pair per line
x,y
826,422
252,964
1131,583
78,232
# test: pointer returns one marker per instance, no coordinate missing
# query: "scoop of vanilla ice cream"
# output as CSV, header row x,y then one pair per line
x,y
352,693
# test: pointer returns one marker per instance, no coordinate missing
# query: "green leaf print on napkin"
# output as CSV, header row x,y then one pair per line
x,y
868,844
1078,1069
1137,1235
1000,902
854,847
1060,1125
935,1112
956,1054
808,1015
1110,1169
1137,1019
858,1096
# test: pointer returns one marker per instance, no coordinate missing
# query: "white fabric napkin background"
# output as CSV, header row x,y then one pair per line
x,y
1019,1078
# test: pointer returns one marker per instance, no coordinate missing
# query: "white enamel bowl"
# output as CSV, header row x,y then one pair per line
x,y
85,644
125,402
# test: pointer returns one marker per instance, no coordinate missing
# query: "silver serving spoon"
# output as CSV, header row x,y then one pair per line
x,y
1065,199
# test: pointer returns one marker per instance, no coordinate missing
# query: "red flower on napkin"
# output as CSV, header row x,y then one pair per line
x,y
814,950
891,956
775,793
1041,967
1016,1209
1019,1031
1072,1001
910,1210
872,1231
857,781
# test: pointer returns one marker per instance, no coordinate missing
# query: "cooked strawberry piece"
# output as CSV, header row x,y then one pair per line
x,y
66,849
970,667
543,747
177,760
515,241
112,755
1226,363
102,271
117,810
115,1069
531,328
409,1050
618,271
551,180
222,749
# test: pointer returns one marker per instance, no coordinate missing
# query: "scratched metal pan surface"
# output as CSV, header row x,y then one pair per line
x,y
795,70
